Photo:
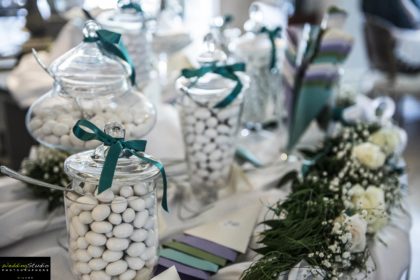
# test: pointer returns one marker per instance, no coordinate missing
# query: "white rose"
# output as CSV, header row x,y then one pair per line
x,y
388,139
373,201
369,155
357,227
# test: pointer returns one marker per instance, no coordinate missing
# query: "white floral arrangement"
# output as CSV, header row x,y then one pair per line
x,y
346,195
46,165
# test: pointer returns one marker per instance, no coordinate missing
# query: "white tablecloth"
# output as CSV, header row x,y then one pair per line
x,y
27,229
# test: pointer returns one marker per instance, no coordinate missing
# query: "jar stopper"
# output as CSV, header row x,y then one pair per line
x,y
90,28
115,129
256,17
212,53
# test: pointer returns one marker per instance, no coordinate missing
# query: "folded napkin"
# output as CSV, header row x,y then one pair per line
x,y
22,215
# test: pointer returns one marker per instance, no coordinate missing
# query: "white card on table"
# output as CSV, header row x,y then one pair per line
x,y
232,230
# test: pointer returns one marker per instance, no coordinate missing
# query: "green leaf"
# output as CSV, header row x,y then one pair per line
x,y
290,176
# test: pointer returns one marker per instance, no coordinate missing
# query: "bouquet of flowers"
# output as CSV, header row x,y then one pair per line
x,y
346,193
47,165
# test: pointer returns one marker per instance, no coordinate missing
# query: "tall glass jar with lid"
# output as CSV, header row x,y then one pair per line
x,y
130,20
113,233
262,48
209,132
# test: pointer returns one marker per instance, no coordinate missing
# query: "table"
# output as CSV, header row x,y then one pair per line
x,y
39,232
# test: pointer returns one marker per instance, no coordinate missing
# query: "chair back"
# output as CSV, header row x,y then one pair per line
x,y
380,45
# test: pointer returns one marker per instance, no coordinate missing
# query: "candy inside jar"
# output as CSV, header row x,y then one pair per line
x,y
210,129
113,233
89,83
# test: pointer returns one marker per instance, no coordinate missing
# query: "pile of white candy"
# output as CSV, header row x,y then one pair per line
x,y
52,125
210,143
113,235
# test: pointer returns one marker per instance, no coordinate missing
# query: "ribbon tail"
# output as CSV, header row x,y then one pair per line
x,y
113,44
107,174
165,182
273,53
165,190
231,97
129,61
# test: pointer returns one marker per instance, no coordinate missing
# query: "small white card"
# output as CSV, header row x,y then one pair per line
x,y
169,274
233,230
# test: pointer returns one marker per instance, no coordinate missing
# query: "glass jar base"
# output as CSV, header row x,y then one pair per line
x,y
264,145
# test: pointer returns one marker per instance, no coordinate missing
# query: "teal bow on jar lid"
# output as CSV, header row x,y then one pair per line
x,y
110,42
213,62
116,159
272,35
131,5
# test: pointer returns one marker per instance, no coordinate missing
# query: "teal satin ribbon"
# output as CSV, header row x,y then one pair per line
x,y
116,146
113,43
134,6
226,71
272,35
227,19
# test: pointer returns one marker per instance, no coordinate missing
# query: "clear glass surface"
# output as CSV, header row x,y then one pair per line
x,y
137,39
114,233
91,84
209,133
51,118
264,101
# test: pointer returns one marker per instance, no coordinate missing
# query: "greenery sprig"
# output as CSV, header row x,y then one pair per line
x,y
47,165
318,220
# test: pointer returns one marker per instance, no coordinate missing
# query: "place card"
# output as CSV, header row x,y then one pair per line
x,y
232,230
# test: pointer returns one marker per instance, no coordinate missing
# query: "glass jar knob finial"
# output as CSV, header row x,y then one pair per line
x,y
115,130
90,28
256,18
212,53
255,13
210,42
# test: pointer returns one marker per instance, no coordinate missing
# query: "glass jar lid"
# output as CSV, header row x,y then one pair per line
x,y
88,165
254,43
129,17
209,86
88,71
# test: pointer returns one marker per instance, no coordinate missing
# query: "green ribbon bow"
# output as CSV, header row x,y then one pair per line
x,y
134,6
272,35
117,145
112,42
226,71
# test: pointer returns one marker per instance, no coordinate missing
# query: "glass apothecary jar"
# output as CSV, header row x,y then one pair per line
x,y
89,83
114,233
209,132
130,21
262,49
